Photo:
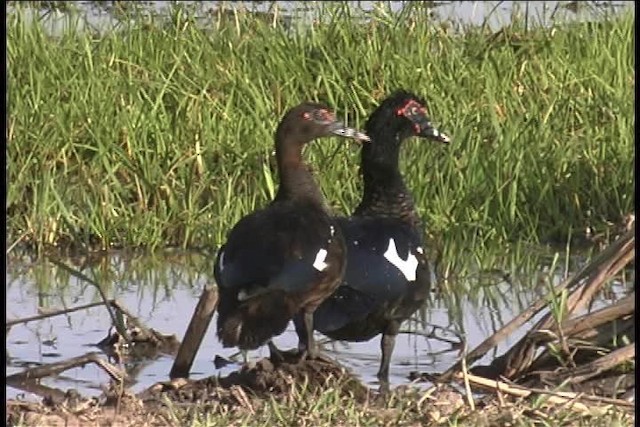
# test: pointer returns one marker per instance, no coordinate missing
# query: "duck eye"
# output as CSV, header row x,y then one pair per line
x,y
323,116
411,108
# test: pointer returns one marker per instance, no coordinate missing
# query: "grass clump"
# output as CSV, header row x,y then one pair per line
x,y
160,132
330,407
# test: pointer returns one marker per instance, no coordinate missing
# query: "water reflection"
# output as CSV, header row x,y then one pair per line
x,y
102,17
162,290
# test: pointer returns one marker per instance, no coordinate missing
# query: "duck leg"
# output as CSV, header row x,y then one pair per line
x,y
309,343
301,325
387,344
304,329
301,331
275,355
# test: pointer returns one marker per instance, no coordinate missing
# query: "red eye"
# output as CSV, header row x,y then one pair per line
x,y
306,116
325,115
411,108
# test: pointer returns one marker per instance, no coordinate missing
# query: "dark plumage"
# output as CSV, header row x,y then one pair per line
x,y
387,277
289,256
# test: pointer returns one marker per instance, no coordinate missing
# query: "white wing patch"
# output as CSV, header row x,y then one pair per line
x,y
319,263
221,261
407,267
243,295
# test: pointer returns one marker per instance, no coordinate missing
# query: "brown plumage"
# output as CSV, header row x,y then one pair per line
x,y
289,256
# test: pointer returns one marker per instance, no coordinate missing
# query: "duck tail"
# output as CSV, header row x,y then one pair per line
x,y
252,323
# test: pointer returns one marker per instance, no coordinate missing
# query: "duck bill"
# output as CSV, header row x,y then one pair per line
x,y
340,129
426,129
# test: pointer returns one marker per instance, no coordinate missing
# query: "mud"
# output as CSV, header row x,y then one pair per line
x,y
245,389
246,395
264,378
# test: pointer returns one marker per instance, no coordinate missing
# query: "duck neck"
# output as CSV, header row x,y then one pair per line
x,y
385,192
296,179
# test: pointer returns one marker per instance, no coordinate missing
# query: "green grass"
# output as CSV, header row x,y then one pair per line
x,y
335,405
405,408
161,133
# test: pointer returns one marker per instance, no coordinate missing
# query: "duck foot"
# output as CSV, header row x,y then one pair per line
x,y
318,356
278,356
275,354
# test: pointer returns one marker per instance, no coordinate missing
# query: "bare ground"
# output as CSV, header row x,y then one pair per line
x,y
246,397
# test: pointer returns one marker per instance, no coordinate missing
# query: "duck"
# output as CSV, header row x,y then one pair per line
x,y
388,276
288,256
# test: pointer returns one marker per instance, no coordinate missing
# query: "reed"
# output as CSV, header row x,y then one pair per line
x,y
160,132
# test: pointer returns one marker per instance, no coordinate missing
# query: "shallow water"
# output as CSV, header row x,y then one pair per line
x,y
493,14
163,291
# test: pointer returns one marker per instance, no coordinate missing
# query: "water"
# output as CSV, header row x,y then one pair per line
x,y
493,14
163,291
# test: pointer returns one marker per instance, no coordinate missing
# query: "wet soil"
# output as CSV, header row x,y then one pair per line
x,y
245,389
235,399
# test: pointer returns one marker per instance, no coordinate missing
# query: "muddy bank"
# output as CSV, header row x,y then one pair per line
x,y
244,390
316,392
